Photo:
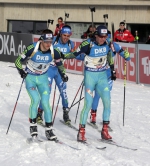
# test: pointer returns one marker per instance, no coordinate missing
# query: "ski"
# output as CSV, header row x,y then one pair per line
x,y
85,143
33,140
69,125
96,127
37,140
93,125
41,124
90,145
111,142
63,143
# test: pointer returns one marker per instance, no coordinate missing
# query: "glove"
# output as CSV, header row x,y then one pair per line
x,y
113,73
65,78
126,55
22,73
57,25
62,55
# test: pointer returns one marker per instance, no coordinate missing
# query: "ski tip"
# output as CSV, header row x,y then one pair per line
x,y
41,124
134,149
54,139
84,142
101,148
33,140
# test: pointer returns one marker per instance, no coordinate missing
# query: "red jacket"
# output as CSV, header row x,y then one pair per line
x,y
123,36
58,28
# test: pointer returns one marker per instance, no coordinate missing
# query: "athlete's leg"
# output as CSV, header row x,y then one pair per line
x,y
90,79
31,87
103,89
95,101
51,74
44,91
62,86
89,83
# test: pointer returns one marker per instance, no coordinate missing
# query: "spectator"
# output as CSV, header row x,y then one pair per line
x,y
89,32
148,40
123,35
59,26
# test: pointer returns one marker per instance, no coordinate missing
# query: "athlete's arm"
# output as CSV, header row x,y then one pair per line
x,y
23,56
58,62
123,53
83,48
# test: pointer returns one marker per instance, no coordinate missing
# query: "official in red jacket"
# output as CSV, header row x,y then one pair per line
x,y
59,26
123,35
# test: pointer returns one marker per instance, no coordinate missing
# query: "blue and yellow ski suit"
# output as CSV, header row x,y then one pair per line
x,y
37,84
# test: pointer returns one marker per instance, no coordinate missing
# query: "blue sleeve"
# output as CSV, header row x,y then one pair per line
x,y
72,44
54,39
83,48
117,47
120,51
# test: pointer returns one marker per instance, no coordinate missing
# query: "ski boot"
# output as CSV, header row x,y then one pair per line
x,y
66,115
81,134
33,128
93,117
49,132
39,118
104,133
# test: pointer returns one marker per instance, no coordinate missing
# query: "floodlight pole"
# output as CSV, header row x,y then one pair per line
x,y
49,22
92,9
105,16
66,16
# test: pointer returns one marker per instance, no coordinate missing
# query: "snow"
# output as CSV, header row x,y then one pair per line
x,y
14,151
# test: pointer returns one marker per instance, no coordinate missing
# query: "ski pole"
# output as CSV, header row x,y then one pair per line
x,y
54,98
15,106
79,103
76,94
58,103
76,102
56,109
124,91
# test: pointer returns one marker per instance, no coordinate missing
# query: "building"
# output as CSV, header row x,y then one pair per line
x,y
32,16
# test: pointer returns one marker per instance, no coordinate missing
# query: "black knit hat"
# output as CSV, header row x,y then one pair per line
x,y
122,23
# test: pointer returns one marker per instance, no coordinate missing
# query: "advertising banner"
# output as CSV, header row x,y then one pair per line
x,y
12,44
144,63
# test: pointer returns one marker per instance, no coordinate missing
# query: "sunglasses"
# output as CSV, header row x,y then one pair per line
x,y
48,41
121,24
